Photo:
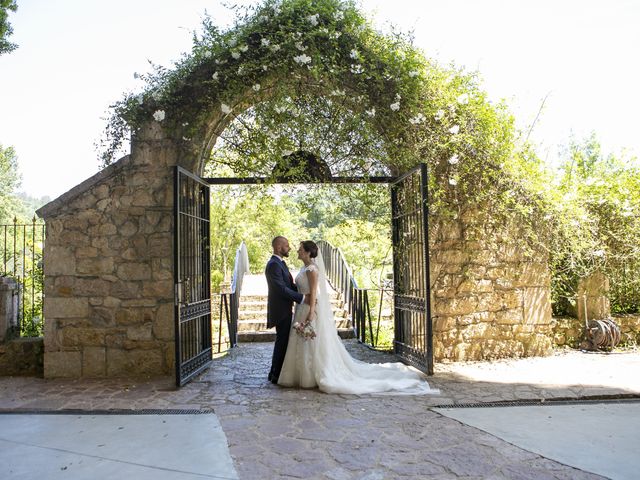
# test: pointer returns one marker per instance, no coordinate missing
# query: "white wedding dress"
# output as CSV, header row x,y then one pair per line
x,y
324,362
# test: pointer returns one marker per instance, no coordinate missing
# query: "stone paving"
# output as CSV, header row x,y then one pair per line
x,y
275,432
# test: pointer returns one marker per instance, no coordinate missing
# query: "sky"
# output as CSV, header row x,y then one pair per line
x,y
76,57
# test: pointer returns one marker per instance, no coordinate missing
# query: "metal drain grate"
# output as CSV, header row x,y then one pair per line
x,y
108,412
546,402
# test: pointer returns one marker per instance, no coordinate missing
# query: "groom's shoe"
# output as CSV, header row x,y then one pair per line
x,y
273,378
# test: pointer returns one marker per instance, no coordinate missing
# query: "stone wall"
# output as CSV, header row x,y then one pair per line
x,y
108,270
569,331
489,299
22,356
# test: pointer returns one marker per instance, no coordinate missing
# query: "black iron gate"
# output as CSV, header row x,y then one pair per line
x,y
191,275
413,337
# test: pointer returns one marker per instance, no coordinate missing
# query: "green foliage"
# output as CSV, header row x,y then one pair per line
x,y
315,74
5,27
9,182
366,246
598,225
254,215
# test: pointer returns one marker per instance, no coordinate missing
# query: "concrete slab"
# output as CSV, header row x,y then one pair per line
x,y
158,447
599,438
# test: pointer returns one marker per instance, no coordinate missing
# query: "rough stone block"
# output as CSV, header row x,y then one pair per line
x,y
59,260
161,289
455,306
134,362
125,290
66,364
443,324
80,336
76,223
74,238
160,245
95,266
90,287
60,307
537,306
140,332
164,322
94,362
134,271
103,230
160,270
86,252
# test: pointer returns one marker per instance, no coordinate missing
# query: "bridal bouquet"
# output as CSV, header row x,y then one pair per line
x,y
305,330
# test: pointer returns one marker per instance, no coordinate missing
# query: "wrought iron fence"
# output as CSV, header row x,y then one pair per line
x,y
357,300
21,249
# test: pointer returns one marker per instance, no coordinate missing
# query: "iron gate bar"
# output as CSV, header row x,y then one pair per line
x,y
424,196
266,180
413,332
192,283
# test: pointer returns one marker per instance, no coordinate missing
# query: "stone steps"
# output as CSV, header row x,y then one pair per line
x,y
255,325
270,335
252,319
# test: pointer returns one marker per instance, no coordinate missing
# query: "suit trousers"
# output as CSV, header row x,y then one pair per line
x,y
283,328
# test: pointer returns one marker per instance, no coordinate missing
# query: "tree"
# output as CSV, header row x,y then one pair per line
x,y
600,227
9,182
5,27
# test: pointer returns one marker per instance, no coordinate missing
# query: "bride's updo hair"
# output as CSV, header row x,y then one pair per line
x,y
310,247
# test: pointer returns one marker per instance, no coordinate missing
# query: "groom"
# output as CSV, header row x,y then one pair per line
x,y
282,294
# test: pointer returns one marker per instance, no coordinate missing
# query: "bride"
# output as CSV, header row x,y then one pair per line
x,y
315,354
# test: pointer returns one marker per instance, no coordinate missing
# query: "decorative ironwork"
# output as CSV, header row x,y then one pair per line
x,y
409,303
413,341
21,248
192,272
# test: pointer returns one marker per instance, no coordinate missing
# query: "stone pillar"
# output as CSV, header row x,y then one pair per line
x,y
108,269
8,309
593,294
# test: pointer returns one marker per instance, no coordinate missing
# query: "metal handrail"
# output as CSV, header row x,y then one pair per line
x,y
340,276
230,301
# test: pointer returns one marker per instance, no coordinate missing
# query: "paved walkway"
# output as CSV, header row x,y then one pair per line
x,y
286,433
98,446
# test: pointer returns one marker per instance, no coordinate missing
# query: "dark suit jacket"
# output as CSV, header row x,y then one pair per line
x,y
282,292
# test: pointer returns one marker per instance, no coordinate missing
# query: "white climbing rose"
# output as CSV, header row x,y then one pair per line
x,y
265,42
158,115
439,114
256,87
395,106
226,109
454,130
215,75
419,118
453,181
454,159
313,19
302,59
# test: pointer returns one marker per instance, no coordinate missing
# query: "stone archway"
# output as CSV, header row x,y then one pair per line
x,y
108,258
